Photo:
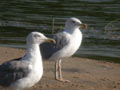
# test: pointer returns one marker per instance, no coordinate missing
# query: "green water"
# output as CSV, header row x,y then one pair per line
x,y
101,39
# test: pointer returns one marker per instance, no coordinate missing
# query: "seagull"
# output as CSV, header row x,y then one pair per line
x,y
22,73
67,43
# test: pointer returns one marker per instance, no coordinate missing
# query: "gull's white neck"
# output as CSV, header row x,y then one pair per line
x,y
33,53
33,50
72,30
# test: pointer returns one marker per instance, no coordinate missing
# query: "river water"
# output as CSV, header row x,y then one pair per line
x,y
101,39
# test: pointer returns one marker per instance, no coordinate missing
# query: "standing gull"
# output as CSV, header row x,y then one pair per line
x,y
24,72
67,43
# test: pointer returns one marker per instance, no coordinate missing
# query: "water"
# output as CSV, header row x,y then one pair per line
x,y
101,39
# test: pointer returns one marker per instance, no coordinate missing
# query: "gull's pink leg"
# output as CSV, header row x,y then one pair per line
x,y
56,70
60,73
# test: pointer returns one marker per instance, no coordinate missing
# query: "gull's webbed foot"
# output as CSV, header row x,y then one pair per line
x,y
62,80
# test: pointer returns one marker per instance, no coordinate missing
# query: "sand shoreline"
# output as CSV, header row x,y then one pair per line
x,y
84,74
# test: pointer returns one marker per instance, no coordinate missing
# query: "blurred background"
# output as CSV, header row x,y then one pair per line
x,y
101,40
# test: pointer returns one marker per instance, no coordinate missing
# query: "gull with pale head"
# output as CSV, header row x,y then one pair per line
x,y
67,43
25,72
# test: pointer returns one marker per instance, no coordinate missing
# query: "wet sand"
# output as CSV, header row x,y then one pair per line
x,y
84,74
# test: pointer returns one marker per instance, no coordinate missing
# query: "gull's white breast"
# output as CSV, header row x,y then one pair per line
x,y
75,40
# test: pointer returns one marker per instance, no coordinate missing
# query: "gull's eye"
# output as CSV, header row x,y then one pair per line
x,y
36,35
73,21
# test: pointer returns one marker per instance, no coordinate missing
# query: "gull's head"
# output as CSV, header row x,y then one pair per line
x,y
38,38
73,23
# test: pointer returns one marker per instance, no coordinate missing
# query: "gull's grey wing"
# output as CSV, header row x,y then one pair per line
x,y
48,49
11,71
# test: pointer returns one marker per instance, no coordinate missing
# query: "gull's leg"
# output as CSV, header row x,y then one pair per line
x,y
59,69
56,70
60,73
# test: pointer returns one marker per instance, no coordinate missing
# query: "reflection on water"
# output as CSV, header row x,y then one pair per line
x,y
18,18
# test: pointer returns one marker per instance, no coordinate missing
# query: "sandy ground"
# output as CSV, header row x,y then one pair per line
x,y
84,74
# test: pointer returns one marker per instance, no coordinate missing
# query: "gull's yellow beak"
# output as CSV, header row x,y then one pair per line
x,y
50,40
83,26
